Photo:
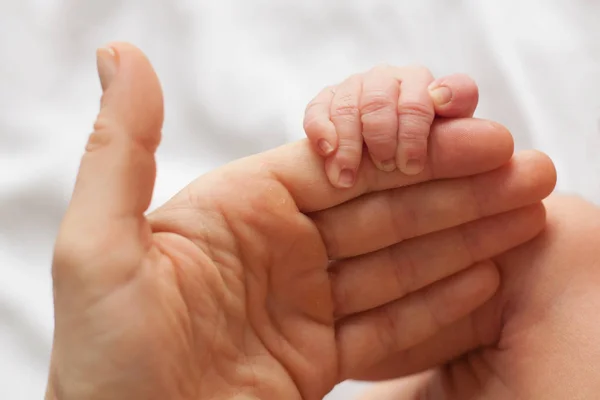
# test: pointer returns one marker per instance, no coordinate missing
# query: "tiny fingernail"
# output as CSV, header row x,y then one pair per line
x,y
325,146
413,167
387,166
346,178
106,59
441,95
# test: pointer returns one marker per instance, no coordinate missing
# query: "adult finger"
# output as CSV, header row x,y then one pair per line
x,y
105,223
369,281
478,329
459,147
366,339
381,219
317,125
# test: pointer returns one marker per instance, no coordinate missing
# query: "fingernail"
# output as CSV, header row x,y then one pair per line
x,y
106,60
387,166
413,167
441,95
325,146
346,178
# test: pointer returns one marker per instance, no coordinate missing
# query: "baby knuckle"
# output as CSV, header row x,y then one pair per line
x,y
416,109
379,135
348,112
376,102
414,134
415,115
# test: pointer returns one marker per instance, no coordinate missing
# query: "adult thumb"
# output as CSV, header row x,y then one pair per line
x,y
105,220
117,172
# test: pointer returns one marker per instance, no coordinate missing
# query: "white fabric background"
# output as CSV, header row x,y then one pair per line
x,y
237,75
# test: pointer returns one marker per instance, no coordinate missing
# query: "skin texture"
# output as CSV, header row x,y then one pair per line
x,y
541,342
387,109
226,291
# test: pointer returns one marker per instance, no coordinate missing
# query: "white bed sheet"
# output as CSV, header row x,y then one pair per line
x,y
237,75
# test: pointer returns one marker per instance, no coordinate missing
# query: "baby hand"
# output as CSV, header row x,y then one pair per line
x,y
392,109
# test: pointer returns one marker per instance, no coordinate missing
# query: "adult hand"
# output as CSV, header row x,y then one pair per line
x,y
539,334
225,291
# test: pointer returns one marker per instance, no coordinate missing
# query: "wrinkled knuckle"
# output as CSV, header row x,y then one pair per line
x,y
413,134
349,148
416,109
108,131
348,112
380,138
346,99
101,136
376,102
415,121
102,123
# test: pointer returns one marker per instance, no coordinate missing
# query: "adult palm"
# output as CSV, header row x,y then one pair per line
x,y
227,290
537,336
